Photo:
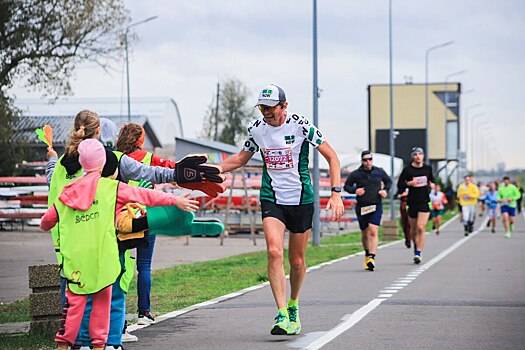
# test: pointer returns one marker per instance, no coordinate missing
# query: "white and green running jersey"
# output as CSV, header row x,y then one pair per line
x,y
285,148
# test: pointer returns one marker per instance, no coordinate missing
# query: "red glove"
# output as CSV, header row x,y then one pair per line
x,y
212,189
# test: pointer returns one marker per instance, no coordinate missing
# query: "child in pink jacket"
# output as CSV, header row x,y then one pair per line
x,y
86,236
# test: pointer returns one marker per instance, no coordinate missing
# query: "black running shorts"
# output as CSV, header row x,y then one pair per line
x,y
413,209
296,218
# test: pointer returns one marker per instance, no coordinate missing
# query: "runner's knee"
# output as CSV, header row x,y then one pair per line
x,y
297,262
275,253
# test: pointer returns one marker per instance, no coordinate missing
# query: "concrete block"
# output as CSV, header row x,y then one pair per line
x,y
44,276
46,327
45,304
390,229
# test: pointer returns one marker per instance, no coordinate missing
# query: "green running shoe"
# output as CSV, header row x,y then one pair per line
x,y
295,322
282,324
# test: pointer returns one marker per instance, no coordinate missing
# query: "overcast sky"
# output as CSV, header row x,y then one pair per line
x,y
193,44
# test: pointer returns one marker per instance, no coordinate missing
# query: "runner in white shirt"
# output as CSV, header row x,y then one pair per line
x,y
287,198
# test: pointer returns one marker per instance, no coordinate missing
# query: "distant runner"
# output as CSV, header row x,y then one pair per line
x,y
370,184
507,196
468,194
417,177
439,200
491,202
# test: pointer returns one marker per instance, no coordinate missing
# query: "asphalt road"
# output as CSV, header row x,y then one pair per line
x,y
468,293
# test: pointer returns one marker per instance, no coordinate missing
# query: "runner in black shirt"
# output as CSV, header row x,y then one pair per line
x,y
418,177
371,184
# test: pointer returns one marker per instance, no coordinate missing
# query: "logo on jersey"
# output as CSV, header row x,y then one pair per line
x,y
289,139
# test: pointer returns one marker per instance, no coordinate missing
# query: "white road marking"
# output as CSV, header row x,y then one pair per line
x,y
365,310
344,326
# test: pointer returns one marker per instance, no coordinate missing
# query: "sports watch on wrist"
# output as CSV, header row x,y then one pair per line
x,y
336,189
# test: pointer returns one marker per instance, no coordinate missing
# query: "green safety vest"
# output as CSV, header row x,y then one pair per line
x,y
88,242
59,180
129,261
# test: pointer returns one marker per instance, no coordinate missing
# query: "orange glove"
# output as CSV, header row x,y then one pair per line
x,y
212,189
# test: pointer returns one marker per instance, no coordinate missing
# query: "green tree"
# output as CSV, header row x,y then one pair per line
x,y
233,116
41,43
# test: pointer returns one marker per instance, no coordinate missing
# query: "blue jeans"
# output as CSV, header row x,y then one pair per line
x,y
63,284
144,256
116,319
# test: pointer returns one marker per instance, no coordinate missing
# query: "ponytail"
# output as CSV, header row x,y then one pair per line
x,y
85,127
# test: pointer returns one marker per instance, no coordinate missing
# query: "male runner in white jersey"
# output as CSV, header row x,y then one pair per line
x,y
287,197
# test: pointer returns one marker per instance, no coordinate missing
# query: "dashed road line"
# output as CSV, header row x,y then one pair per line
x,y
351,320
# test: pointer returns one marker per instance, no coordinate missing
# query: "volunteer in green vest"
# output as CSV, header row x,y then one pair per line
x,y
86,238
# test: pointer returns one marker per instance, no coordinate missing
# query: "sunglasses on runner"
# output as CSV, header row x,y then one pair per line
x,y
366,159
262,108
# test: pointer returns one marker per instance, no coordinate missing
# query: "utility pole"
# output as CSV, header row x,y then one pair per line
x,y
216,131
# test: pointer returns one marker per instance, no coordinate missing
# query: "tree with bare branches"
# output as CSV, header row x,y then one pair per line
x,y
234,112
42,42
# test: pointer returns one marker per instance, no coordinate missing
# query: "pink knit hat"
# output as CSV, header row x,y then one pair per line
x,y
91,155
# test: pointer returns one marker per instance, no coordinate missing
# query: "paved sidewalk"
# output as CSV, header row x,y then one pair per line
x,y
21,249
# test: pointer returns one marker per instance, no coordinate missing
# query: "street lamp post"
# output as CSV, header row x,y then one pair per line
x,y
316,224
484,150
472,138
446,116
427,151
127,57
477,145
392,151
464,129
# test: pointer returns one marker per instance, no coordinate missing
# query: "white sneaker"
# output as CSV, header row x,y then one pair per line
x,y
128,337
113,347
417,259
145,318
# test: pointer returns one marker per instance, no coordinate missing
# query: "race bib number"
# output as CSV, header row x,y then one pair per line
x,y
278,158
421,181
368,209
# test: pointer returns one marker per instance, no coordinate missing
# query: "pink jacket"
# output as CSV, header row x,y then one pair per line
x,y
79,195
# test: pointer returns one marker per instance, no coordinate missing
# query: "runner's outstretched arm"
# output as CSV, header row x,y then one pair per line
x,y
335,202
236,161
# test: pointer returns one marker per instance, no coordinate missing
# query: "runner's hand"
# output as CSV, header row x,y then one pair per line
x,y
404,194
383,193
336,204
360,191
186,204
